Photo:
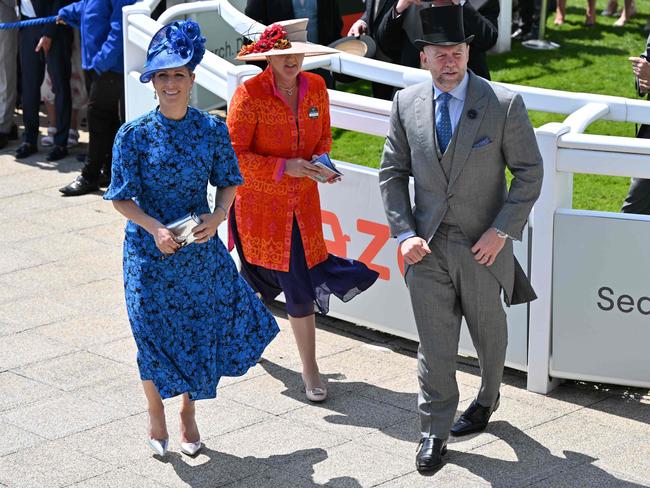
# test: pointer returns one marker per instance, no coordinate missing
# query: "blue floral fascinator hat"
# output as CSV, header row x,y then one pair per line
x,y
179,43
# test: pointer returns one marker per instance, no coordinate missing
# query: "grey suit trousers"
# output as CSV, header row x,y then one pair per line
x,y
445,286
8,67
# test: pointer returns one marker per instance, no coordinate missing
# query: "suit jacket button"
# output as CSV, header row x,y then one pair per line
x,y
449,195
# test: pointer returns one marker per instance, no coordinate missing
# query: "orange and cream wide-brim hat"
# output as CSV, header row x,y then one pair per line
x,y
281,39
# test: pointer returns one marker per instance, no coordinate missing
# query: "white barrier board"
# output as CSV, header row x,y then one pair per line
x,y
601,297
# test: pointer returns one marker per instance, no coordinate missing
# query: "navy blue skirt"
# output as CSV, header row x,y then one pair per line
x,y
305,289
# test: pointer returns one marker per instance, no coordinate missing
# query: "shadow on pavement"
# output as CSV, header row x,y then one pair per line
x,y
532,456
208,473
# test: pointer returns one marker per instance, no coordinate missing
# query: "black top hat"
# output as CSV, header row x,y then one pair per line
x,y
442,26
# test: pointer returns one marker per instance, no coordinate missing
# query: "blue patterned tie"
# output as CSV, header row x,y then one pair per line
x,y
443,121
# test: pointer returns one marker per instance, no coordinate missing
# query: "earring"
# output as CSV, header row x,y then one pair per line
x,y
155,95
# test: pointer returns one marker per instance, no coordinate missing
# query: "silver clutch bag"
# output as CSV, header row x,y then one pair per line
x,y
182,228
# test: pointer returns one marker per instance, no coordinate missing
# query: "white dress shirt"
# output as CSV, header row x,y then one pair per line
x,y
27,9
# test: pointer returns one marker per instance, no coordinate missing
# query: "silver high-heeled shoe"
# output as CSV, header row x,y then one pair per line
x,y
158,446
315,395
191,448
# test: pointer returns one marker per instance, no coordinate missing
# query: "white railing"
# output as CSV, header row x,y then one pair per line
x,y
564,146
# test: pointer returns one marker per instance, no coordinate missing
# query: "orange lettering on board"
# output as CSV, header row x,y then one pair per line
x,y
339,246
381,235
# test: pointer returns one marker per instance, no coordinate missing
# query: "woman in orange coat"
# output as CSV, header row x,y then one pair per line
x,y
278,121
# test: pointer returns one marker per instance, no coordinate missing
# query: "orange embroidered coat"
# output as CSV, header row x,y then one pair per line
x,y
265,133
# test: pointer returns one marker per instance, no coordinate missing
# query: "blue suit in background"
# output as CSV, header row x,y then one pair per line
x,y
33,71
102,58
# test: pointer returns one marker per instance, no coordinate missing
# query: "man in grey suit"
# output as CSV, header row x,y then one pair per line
x,y
456,138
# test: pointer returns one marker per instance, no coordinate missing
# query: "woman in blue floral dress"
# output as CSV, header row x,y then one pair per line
x,y
193,318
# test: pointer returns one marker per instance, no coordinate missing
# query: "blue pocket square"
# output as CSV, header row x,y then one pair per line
x,y
482,142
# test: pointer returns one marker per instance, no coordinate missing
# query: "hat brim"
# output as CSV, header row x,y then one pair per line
x,y
297,47
420,43
363,45
162,61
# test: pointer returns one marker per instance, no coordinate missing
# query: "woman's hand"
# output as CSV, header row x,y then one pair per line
x,y
299,168
165,241
208,226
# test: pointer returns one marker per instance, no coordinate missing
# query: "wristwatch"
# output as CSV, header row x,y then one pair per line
x,y
501,234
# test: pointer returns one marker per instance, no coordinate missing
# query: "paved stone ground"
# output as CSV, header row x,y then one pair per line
x,y
72,412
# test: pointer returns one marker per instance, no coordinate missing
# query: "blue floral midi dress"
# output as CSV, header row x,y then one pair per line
x,y
192,316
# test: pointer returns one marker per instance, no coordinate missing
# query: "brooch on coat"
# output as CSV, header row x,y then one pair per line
x,y
313,113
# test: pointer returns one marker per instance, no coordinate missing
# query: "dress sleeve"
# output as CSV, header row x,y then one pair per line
x,y
125,174
225,169
242,124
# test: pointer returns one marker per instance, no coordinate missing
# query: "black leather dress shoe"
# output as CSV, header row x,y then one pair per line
x,y
104,179
429,454
474,419
80,186
25,150
57,152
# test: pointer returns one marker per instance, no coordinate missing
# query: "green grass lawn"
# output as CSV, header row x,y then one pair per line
x,y
590,59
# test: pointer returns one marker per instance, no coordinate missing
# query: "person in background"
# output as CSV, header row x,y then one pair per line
x,y
590,14
526,20
38,45
102,58
8,88
627,12
278,121
367,24
401,26
194,319
325,22
637,200
79,99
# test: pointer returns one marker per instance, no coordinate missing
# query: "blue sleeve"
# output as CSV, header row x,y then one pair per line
x,y
112,47
225,168
71,14
405,235
125,174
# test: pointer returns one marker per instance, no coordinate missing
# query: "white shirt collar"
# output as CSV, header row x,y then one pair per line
x,y
459,93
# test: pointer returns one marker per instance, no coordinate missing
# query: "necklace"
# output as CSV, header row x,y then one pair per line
x,y
288,91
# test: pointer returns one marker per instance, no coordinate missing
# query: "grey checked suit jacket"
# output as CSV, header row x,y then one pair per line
x,y
476,190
